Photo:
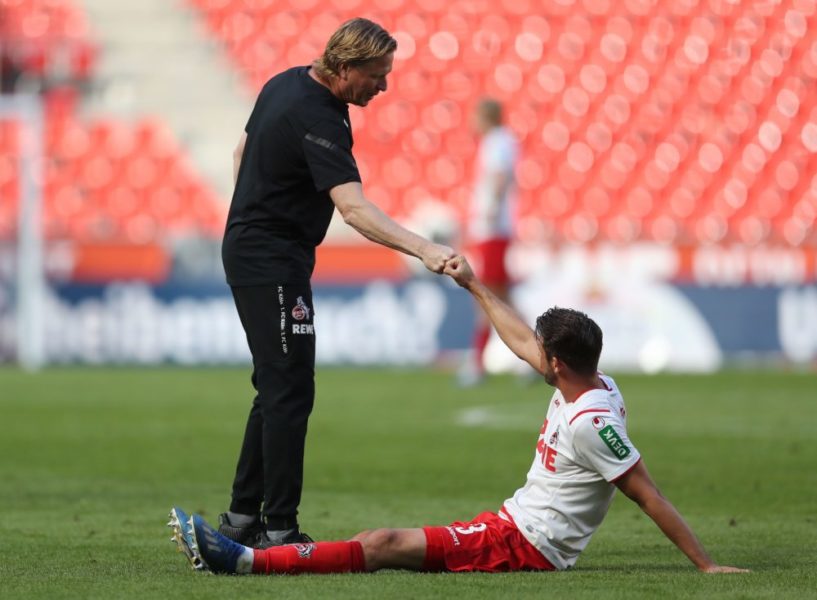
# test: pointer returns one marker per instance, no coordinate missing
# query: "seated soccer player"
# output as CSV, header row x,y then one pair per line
x,y
583,454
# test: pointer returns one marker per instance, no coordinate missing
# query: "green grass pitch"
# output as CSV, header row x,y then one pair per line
x,y
91,460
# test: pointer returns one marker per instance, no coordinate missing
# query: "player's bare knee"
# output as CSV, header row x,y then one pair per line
x,y
360,537
378,545
381,540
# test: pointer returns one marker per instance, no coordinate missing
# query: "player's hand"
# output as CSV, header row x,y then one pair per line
x,y
460,271
724,569
436,256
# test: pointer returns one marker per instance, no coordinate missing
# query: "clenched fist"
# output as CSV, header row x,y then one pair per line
x,y
460,271
436,257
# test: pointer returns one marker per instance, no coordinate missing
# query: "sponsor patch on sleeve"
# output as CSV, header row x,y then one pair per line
x,y
613,441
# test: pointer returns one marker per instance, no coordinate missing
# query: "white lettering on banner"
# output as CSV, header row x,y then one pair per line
x,y
797,323
739,265
127,323
647,325
382,326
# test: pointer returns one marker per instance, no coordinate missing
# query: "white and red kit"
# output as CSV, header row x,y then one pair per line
x,y
583,448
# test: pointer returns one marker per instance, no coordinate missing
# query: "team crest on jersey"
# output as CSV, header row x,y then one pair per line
x,y
556,402
598,422
300,311
305,550
554,439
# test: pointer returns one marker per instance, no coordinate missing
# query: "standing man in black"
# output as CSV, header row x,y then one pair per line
x,y
293,166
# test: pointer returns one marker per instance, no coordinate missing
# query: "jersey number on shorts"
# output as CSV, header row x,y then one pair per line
x,y
475,528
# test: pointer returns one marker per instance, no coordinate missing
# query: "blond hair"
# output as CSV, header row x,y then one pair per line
x,y
355,42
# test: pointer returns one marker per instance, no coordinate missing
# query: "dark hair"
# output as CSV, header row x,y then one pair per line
x,y
355,42
572,337
490,110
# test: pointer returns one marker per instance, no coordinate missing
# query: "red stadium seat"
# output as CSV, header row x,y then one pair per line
x,y
41,34
103,178
675,121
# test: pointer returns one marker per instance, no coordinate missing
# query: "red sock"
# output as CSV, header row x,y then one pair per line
x,y
318,557
481,335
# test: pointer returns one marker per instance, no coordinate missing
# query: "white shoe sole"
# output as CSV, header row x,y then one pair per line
x,y
190,551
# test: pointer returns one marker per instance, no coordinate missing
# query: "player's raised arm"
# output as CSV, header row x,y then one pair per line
x,y
511,328
375,225
640,488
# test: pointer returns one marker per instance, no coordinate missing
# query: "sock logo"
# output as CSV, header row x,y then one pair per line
x,y
305,550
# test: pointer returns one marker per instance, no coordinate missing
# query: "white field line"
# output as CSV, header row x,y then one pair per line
x,y
525,416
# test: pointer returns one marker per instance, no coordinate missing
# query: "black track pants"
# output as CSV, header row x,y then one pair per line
x,y
278,321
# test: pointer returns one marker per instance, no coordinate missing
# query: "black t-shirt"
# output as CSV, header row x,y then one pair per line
x,y
299,146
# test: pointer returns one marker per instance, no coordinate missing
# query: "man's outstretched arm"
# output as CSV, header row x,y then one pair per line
x,y
375,225
640,488
511,328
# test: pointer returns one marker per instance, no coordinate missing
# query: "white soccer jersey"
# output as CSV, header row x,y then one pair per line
x,y
583,447
490,219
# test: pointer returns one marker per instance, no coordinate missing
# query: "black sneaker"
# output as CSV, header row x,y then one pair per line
x,y
268,539
246,535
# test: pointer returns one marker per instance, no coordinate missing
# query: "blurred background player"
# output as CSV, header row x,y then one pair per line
x,y
293,167
490,221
